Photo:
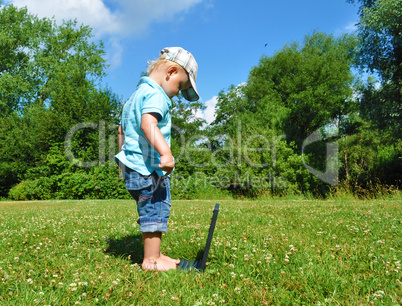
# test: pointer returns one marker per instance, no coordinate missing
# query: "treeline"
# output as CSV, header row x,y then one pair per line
x,y
303,123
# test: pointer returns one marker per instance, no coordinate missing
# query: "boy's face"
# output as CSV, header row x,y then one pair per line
x,y
177,79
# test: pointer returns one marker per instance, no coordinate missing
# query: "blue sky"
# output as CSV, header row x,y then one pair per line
x,y
227,38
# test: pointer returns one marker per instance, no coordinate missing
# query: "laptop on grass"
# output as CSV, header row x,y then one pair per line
x,y
201,264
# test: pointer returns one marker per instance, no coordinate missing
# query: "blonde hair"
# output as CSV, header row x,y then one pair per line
x,y
157,64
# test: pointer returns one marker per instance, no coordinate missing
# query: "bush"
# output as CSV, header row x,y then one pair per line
x,y
39,189
97,183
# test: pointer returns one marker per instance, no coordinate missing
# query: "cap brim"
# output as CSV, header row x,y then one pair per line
x,y
191,94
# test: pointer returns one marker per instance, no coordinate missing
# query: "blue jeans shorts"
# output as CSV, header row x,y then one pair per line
x,y
152,194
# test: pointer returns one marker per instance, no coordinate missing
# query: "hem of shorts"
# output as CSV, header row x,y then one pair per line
x,y
152,225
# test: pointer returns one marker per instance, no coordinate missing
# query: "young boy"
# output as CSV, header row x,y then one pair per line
x,y
144,146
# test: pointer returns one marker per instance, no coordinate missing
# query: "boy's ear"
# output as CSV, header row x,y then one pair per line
x,y
172,70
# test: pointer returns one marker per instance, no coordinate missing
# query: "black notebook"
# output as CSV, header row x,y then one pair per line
x,y
201,264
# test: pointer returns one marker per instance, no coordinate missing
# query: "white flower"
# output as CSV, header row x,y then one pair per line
x,y
379,293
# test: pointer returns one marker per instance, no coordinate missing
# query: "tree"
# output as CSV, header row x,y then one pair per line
x,y
380,52
380,28
372,145
187,129
312,82
297,91
287,97
49,78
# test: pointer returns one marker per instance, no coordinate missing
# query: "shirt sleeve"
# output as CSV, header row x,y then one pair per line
x,y
155,103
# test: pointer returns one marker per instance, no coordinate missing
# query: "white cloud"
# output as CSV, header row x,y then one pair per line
x,y
348,28
351,27
89,12
137,15
115,57
111,20
209,112
127,18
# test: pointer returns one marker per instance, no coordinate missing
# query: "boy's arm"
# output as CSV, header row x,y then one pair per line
x,y
120,137
149,125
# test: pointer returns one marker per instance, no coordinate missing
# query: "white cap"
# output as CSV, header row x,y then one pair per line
x,y
187,61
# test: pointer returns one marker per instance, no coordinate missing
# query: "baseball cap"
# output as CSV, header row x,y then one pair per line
x,y
187,61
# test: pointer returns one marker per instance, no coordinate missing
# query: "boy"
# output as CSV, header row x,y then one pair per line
x,y
144,146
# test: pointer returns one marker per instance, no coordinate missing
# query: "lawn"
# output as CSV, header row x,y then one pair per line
x,y
273,251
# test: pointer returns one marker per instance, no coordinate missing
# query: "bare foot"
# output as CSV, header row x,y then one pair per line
x,y
176,261
158,264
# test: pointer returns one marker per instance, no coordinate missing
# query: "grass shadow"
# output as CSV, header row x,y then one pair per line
x,y
200,254
130,247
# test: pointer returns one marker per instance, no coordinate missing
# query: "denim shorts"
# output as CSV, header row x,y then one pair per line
x,y
152,194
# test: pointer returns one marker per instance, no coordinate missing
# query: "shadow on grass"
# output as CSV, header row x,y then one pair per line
x,y
200,254
130,247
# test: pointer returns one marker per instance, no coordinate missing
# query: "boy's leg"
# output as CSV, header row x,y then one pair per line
x,y
153,259
152,195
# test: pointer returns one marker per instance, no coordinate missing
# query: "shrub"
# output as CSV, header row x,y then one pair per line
x,y
95,183
39,189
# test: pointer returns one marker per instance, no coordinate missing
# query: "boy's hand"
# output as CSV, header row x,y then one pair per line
x,y
167,163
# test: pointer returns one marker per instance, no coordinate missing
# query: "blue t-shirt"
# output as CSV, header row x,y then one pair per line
x,y
136,152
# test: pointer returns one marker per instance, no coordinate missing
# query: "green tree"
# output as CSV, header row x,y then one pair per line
x,y
187,130
312,82
371,143
369,162
380,52
49,81
380,28
301,89
370,150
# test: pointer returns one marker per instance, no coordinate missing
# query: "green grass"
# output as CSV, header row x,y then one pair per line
x,y
326,252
